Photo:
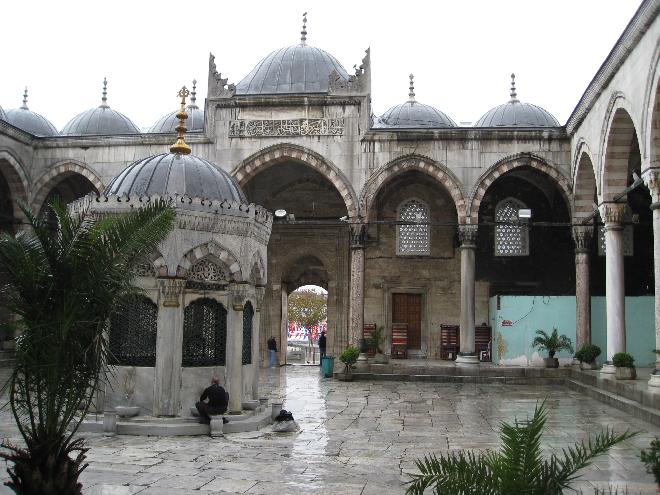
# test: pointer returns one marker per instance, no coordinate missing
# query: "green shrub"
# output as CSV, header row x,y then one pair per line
x,y
623,360
652,460
376,339
349,356
588,353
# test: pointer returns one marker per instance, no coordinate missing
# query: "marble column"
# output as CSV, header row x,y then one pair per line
x,y
238,295
652,180
356,306
468,237
169,341
612,215
582,235
259,292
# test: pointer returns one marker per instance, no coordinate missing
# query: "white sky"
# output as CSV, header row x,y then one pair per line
x,y
461,52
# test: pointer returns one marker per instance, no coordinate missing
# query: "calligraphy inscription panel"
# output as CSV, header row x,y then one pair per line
x,y
290,127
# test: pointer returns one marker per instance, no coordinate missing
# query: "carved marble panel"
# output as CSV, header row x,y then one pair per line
x,y
289,127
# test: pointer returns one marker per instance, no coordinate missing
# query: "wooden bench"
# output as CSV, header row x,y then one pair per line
x,y
399,340
483,338
450,341
367,330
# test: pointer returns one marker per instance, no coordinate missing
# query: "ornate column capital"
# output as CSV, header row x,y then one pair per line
x,y
651,178
612,214
583,236
358,235
238,295
259,292
170,290
467,234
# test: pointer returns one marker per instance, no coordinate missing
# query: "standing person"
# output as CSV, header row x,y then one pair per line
x,y
213,400
322,346
272,352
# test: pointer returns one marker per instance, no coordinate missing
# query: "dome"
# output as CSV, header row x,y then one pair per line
x,y
29,121
102,120
515,113
194,122
413,114
175,173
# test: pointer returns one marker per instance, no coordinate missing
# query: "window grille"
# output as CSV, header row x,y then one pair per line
x,y
248,313
413,239
133,333
204,333
511,238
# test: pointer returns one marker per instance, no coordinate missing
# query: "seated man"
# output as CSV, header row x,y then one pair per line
x,y
213,401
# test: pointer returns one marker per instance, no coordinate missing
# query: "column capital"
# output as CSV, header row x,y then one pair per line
x,y
358,235
612,213
259,292
170,290
651,178
467,234
583,236
238,295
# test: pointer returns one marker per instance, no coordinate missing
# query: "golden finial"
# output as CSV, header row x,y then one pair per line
x,y
180,147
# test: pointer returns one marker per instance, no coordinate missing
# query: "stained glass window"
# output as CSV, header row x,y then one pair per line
x,y
511,237
413,238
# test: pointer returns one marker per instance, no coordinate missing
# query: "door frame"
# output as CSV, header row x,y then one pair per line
x,y
423,290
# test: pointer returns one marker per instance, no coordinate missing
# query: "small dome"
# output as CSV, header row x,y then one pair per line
x,y
102,120
29,121
515,113
413,114
194,122
174,173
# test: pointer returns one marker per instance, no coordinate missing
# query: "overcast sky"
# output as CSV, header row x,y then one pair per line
x,y
461,52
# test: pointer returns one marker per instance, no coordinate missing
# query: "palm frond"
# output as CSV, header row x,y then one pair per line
x,y
455,474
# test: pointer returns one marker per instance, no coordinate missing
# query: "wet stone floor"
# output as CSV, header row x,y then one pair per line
x,y
356,438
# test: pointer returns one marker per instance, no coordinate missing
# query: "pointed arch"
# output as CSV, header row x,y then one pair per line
x,y
17,180
56,173
507,164
651,114
419,163
214,250
277,153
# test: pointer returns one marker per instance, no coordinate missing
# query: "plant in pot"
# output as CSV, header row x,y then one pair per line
x,y
349,357
552,343
375,342
625,367
587,356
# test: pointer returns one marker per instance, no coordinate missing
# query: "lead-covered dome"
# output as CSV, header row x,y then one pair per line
x,y
413,114
515,113
194,122
29,121
3,116
101,120
174,173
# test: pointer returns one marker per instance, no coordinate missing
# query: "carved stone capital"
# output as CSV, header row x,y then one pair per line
x,y
612,214
170,290
467,234
358,235
259,292
652,181
238,295
583,237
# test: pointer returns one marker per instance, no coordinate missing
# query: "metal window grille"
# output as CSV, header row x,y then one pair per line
x,y
204,333
511,239
413,239
248,314
133,333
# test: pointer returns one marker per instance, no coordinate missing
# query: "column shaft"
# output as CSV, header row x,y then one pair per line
x,y
234,361
652,181
582,236
356,306
468,237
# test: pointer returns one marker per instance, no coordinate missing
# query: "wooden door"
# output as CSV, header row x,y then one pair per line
x,y
407,308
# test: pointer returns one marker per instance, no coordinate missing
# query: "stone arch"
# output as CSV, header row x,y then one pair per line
x,y
17,180
210,249
57,172
585,190
277,153
617,138
508,163
413,162
296,272
651,113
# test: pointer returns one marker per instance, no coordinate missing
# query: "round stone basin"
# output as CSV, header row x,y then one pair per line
x,y
127,411
249,405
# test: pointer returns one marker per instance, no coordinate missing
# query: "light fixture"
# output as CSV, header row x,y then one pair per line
x,y
343,219
280,213
524,214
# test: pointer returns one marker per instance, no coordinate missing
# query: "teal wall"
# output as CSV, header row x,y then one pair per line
x,y
530,313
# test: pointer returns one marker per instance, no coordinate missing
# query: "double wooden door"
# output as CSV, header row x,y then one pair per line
x,y
407,308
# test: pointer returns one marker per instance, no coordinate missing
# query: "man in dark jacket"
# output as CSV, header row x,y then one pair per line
x,y
213,401
322,345
272,352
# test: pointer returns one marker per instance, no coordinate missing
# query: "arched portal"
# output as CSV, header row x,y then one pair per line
x,y
307,315
13,188
68,181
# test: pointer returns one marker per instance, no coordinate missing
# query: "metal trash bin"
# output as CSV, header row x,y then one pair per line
x,y
327,366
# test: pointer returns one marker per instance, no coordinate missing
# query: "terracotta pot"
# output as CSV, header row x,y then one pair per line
x,y
625,373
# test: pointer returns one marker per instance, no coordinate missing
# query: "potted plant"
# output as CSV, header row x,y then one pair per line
x,y
349,357
587,356
552,343
625,367
375,342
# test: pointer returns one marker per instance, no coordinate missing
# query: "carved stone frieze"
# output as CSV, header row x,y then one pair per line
x,y
583,237
287,127
218,86
612,214
170,290
467,235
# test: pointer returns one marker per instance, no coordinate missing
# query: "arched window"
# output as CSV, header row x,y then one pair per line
x,y
204,333
248,313
133,333
413,238
511,238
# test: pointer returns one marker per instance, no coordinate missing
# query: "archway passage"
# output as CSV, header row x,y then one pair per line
x,y
525,257
307,314
68,187
7,219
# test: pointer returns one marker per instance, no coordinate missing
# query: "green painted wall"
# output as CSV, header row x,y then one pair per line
x,y
513,344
